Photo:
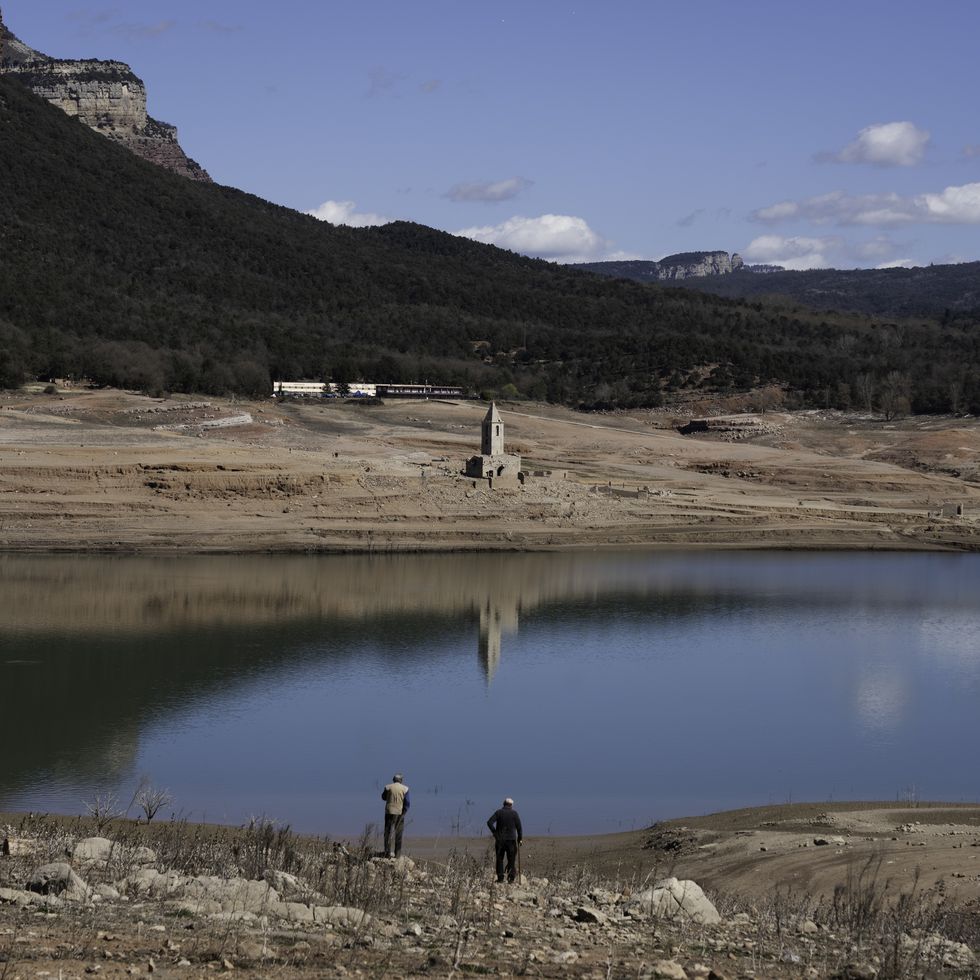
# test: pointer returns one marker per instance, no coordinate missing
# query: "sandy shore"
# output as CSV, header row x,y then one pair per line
x,y
108,471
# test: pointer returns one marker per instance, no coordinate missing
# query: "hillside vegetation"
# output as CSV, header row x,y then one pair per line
x,y
937,290
118,271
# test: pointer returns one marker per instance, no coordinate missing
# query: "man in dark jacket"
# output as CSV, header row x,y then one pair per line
x,y
505,825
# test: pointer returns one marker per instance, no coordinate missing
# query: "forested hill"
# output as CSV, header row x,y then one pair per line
x,y
114,269
935,290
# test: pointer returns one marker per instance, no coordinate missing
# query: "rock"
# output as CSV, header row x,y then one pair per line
x,y
194,906
150,883
671,898
808,928
236,916
668,970
254,952
585,914
144,855
92,849
58,879
294,912
602,897
16,846
856,971
936,947
413,930
106,892
289,887
14,896
568,956
104,95
340,915
234,894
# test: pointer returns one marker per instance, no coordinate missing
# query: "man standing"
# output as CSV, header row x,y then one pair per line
x,y
397,803
505,825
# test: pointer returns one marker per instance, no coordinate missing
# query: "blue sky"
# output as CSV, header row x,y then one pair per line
x,y
841,134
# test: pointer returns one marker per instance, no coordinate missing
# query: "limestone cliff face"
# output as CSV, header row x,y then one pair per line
x,y
683,265
105,95
693,265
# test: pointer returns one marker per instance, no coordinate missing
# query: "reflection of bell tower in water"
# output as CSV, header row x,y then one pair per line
x,y
496,619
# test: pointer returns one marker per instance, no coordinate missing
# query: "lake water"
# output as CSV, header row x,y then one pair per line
x,y
601,691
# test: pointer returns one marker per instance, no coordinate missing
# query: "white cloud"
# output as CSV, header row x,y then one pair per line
x,y
953,205
558,237
797,252
344,213
894,144
801,252
495,190
897,264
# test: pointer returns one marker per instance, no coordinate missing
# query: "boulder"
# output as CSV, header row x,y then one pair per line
x,y
668,970
194,906
17,847
585,914
294,912
289,887
234,894
238,915
58,879
144,855
93,849
672,898
150,883
14,896
340,915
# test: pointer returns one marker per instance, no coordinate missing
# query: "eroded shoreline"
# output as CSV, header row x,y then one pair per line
x,y
118,473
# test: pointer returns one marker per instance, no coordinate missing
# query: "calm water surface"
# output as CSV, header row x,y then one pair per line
x,y
600,691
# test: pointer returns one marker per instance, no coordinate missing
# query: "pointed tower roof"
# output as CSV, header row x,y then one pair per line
x,y
492,414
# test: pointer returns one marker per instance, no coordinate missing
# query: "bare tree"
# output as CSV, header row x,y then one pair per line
x,y
151,798
894,395
104,809
864,389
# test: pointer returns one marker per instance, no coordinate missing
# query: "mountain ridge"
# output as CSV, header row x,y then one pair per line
x,y
118,271
107,96
682,265
934,290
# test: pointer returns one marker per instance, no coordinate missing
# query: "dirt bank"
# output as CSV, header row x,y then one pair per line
x,y
111,471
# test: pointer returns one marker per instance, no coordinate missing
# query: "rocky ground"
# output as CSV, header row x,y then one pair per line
x,y
190,900
85,470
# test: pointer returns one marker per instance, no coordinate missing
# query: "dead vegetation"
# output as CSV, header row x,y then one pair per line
x,y
375,917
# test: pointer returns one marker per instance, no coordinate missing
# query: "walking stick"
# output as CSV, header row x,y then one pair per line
x,y
520,874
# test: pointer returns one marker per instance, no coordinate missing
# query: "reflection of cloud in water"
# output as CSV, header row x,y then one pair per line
x,y
882,695
954,642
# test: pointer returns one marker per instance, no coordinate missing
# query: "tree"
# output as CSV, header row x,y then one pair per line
x,y
894,395
151,798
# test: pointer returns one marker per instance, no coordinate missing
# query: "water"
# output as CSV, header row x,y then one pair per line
x,y
601,691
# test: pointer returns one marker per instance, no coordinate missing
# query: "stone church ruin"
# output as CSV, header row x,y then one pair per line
x,y
494,465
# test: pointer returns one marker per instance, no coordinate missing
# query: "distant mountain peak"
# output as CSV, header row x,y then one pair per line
x,y
682,265
105,95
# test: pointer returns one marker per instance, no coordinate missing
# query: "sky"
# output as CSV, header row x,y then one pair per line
x,y
808,135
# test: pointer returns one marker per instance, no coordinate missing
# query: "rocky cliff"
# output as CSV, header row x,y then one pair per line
x,y
694,265
105,95
683,265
